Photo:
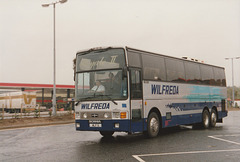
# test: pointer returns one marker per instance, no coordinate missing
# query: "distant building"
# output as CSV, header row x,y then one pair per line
x,y
64,93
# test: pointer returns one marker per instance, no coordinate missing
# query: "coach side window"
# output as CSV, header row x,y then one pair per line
x,y
207,75
153,67
219,76
134,59
136,84
175,70
192,72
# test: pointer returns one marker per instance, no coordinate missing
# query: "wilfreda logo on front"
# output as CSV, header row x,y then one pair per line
x,y
95,106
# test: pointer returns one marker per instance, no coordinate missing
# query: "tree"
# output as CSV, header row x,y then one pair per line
x,y
236,92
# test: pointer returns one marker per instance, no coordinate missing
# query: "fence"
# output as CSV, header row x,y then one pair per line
x,y
25,113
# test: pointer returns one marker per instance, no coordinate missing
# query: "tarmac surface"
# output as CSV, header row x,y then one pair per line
x,y
63,143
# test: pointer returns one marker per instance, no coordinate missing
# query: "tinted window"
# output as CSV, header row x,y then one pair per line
x,y
153,67
175,70
134,59
192,73
136,84
219,76
207,75
100,59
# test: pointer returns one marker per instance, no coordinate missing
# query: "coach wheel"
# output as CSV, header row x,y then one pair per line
x,y
213,118
106,133
205,119
153,125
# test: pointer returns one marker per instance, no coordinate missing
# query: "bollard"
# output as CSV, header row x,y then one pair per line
x,y
21,110
2,111
39,110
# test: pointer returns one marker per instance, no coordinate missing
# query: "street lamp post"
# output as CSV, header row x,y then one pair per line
x,y
233,98
54,54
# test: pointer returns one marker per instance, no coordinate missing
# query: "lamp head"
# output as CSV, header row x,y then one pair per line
x,y
45,5
63,1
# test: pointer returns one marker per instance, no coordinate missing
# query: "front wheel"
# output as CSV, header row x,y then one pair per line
x,y
205,119
106,133
153,125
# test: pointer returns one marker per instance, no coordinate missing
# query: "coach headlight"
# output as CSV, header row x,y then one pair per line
x,y
78,125
116,115
85,115
116,125
106,115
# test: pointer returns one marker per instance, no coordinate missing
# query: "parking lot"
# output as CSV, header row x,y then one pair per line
x,y
63,143
217,144
211,152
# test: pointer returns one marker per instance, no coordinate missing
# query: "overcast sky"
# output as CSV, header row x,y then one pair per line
x,y
208,30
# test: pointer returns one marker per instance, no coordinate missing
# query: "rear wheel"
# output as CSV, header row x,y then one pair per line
x,y
205,119
153,125
213,118
106,133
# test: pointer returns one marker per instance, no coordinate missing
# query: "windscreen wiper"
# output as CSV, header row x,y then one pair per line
x,y
77,102
80,100
110,99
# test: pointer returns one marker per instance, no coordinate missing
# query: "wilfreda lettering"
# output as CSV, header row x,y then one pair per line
x,y
164,89
96,106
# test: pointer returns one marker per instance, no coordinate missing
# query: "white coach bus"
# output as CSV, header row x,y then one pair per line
x,y
129,90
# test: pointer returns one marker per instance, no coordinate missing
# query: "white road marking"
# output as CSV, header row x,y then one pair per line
x,y
216,137
232,135
137,157
220,139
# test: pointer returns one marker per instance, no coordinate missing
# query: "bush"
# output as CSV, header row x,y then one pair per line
x,y
50,113
36,113
236,105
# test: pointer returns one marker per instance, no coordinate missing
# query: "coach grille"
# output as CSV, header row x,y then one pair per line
x,y
96,115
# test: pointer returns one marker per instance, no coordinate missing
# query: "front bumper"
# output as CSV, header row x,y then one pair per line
x,y
106,125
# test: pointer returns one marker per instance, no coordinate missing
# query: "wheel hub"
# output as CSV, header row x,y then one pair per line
x,y
154,125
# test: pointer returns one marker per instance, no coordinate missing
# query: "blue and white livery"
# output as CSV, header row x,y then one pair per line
x,y
144,92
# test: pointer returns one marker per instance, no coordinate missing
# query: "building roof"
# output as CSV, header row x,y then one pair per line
x,y
28,85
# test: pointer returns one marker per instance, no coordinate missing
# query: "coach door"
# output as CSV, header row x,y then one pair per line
x,y
136,100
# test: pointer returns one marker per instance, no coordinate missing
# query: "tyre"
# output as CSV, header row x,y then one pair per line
x,y
213,118
205,119
153,125
106,133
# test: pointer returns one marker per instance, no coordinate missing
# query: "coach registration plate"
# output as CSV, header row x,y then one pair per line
x,y
95,123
